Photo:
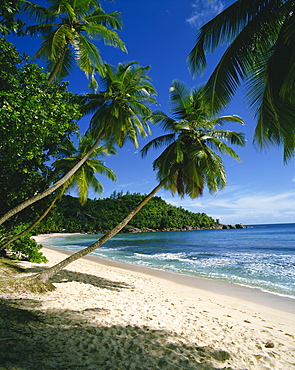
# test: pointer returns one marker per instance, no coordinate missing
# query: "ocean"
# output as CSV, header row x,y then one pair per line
x,y
261,257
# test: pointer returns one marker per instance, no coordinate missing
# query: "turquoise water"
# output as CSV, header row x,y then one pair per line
x,y
262,257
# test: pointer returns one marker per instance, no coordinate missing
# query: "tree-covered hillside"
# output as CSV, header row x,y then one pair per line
x,y
99,215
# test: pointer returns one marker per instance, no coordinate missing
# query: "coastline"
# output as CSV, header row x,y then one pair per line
x,y
105,315
249,294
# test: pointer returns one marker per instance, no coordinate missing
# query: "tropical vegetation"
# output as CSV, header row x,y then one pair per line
x,y
83,180
100,215
120,114
187,165
8,21
66,28
261,53
39,116
36,119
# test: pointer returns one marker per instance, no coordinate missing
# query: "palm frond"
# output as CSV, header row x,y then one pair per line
x,y
261,35
65,23
226,26
232,118
54,42
165,122
38,13
234,138
110,37
222,148
87,55
190,161
110,20
67,64
179,98
84,178
157,143
40,29
100,168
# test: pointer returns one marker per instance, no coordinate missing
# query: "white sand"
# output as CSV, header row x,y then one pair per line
x,y
105,317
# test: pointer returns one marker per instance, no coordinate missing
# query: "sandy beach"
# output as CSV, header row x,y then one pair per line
x,y
106,316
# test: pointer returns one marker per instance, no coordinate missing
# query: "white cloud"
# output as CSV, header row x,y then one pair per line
x,y
239,205
204,10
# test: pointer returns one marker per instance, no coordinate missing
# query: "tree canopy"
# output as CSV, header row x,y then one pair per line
x,y
190,162
8,21
100,215
67,28
35,119
261,53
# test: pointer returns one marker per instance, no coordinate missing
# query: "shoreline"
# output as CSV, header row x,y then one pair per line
x,y
233,290
222,288
106,315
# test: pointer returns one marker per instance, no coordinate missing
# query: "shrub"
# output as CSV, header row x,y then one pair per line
x,y
26,249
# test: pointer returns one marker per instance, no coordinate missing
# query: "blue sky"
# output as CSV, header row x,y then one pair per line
x,y
161,34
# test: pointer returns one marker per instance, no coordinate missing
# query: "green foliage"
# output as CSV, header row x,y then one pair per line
x,y
261,53
8,22
121,107
27,249
66,28
35,118
194,141
24,248
100,215
84,178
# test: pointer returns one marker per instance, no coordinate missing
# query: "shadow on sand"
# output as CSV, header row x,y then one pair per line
x,y
36,339
31,339
68,276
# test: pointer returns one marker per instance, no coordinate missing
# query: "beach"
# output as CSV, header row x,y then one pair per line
x,y
106,316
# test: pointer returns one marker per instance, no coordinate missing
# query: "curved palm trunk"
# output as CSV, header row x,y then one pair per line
x,y
52,188
48,273
16,237
58,64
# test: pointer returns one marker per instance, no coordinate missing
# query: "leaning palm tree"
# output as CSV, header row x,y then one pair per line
x,y
261,52
120,113
66,27
187,164
83,179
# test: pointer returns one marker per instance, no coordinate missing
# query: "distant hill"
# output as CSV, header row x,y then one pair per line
x,y
100,215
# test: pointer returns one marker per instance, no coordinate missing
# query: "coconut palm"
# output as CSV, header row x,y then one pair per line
x,y
120,114
83,179
187,164
261,52
119,110
66,27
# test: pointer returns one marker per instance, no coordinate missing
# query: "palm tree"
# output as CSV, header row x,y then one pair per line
x,y
120,110
83,179
66,27
261,52
187,164
120,114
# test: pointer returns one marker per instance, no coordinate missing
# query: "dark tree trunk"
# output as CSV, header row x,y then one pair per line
x,y
52,188
16,237
58,64
45,275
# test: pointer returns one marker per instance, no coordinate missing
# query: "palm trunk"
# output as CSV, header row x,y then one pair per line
x,y
58,64
52,188
16,237
51,271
